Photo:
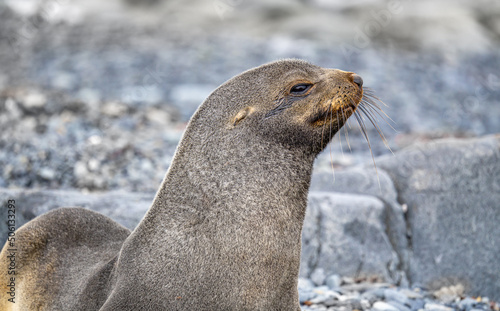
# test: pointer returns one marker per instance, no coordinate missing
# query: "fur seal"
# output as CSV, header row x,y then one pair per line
x,y
224,230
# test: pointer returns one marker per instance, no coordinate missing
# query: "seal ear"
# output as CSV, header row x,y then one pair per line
x,y
242,114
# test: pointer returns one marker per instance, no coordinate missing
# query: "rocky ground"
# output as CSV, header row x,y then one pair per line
x,y
95,97
349,294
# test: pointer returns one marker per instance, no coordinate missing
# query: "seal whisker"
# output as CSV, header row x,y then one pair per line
x,y
340,139
376,109
363,127
331,155
372,120
368,93
324,125
344,119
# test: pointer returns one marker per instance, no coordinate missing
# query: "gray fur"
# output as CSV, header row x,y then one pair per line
x,y
223,232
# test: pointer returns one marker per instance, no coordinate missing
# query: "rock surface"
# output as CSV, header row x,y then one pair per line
x,y
347,235
452,191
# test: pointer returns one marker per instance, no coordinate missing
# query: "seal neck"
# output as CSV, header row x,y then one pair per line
x,y
241,180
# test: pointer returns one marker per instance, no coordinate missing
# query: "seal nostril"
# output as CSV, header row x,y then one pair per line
x,y
358,80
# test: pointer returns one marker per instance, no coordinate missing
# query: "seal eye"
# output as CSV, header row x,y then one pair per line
x,y
300,89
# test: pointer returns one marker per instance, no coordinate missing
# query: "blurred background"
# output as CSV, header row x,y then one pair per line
x,y
95,95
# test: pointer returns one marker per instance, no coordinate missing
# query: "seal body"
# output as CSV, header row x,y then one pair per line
x,y
224,230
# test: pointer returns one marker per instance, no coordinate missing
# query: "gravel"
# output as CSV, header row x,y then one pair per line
x,y
363,294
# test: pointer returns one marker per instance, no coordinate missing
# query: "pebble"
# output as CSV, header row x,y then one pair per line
x,y
333,281
399,306
114,109
34,100
411,293
383,306
47,173
436,307
394,295
12,108
318,276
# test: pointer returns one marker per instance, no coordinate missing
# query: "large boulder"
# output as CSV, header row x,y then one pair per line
x,y
452,191
348,235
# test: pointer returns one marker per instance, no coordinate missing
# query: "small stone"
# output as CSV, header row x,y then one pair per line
x,y
436,307
64,80
94,165
377,292
147,166
47,173
114,109
34,100
449,293
90,96
356,304
158,116
305,284
28,124
399,306
318,276
321,290
306,296
467,304
94,140
383,306
320,299
333,281
80,169
411,294
394,295
417,304
12,108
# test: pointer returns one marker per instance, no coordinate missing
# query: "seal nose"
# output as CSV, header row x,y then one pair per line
x,y
357,79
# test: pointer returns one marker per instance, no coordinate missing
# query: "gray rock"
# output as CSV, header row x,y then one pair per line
x,y
347,235
365,180
47,173
333,281
34,100
373,295
305,284
452,190
467,304
318,276
398,305
417,304
394,295
411,293
436,307
383,306
306,296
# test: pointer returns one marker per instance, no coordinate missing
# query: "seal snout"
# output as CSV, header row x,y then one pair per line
x,y
358,80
